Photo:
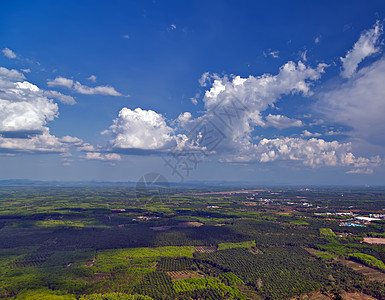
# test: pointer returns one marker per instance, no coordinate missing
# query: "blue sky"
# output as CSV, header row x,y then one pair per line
x,y
271,92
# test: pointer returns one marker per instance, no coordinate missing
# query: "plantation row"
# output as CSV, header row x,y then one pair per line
x,y
273,272
29,261
98,243
284,272
158,285
176,264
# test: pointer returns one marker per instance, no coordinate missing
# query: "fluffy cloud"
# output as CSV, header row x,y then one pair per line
x,y
313,152
235,104
59,96
39,143
366,45
86,147
61,82
23,106
332,132
8,53
281,122
257,93
103,157
71,140
105,90
360,171
307,133
204,78
141,129
234,108
43,142
25,111
92,78
98,90
10,75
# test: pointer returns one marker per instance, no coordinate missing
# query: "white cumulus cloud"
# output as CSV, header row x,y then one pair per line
x,y
204,78
23,106
310,152
233,109
76,86
366,45
307,133
360,171
281,122
92,78
71,140
61,82
25,111
61,97
10,75
8,53
235,106
98,90
86,147
236,103
40,143
313,152
103,157
141,129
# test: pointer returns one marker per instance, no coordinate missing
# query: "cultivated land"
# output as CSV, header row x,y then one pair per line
x,y
60,242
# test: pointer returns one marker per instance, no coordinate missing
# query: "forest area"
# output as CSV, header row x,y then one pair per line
x,y
198,243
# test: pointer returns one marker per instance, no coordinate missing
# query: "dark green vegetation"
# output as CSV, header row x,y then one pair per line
x,y
104,243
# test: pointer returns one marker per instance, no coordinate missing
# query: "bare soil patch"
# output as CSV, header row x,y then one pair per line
x,y
255,251
249,203
370,273
180,225
314,251
190,224
345,296
176,275
205,249
356,296
374,240
161,228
